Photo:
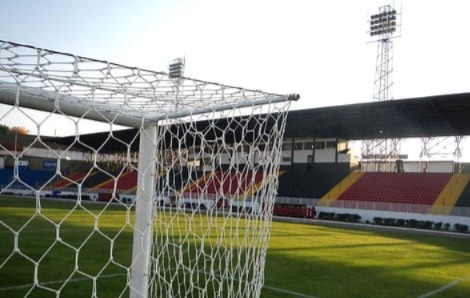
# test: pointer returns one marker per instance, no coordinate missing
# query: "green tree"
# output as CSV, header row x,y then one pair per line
x,y
4,128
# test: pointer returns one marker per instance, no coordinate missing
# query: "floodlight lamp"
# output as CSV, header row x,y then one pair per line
x,y
176,68
383,23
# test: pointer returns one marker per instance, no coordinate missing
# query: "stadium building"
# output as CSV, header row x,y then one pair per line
x,y
317,166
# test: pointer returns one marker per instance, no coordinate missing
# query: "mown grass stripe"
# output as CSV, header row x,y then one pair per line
x,y
309,259
54,282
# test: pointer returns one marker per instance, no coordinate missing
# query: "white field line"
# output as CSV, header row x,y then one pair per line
x,y
292,293
4,289
57,282
444,288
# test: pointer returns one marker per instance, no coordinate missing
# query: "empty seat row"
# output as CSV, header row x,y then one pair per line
x,y
410,188
301,211
227,183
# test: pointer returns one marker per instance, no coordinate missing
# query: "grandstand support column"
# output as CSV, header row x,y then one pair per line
x,y
313,151
458,152
292,153
425,153
143,213
336,152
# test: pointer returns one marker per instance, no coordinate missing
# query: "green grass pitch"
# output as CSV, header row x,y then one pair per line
x,y
303,260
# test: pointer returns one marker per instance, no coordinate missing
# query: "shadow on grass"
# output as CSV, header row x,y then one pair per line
x,y
70,262
400,236
364,263
323,278
314,260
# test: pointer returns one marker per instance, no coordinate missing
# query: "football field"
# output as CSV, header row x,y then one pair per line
x,y
303,260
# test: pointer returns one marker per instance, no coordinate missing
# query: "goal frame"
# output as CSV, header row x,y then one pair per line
x,y
51,102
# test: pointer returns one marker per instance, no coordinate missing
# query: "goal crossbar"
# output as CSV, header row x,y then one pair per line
x,y
35,98
104,91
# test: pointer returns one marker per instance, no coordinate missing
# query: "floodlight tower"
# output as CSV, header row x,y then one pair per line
x,y
381,154
176,68
176,72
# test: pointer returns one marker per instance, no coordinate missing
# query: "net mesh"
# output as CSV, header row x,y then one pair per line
x,y
173,198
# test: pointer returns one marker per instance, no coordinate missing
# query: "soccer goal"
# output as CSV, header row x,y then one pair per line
x,y
164,187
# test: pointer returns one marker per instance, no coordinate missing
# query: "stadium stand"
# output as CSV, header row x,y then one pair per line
x,y
179,181
311,169
306,184
104,184
341,187
301,211
124,183
450,194
464,199
94,179
228,183
410,188
6,175
65,181
34,178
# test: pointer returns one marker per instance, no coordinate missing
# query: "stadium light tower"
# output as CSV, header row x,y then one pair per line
x,y
176,68
176,72
381,154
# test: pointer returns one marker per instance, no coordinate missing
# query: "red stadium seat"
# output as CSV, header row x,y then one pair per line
x,y
409,188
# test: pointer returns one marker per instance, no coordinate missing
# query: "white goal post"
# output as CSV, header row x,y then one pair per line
x,y
206,176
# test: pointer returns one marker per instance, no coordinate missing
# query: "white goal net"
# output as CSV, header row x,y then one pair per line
x,y
164,187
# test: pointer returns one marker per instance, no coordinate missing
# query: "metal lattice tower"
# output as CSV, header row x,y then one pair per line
x,y
380,154
449,147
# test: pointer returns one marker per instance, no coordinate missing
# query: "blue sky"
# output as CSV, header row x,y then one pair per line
x,y
92,27
316,48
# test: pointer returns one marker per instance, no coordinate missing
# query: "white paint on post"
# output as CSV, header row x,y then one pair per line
x,y
143,214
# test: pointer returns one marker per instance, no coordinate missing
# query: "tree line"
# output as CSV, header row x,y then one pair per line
x,y
5,129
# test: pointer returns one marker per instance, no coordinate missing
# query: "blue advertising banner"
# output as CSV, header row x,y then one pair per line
x,y
49,164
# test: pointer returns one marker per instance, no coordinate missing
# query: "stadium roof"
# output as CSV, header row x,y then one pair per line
x,y
432,116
